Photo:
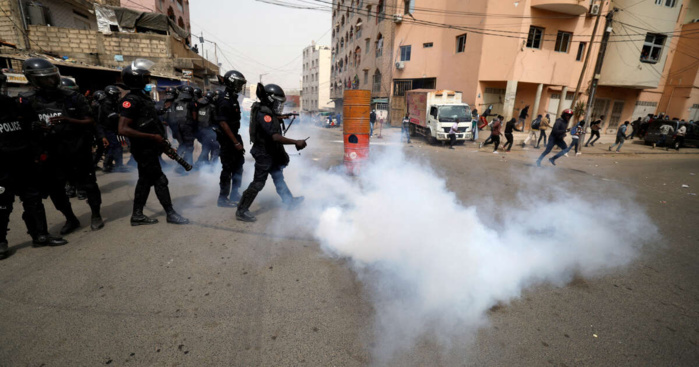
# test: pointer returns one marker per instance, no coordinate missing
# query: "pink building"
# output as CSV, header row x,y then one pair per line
x,y
177,10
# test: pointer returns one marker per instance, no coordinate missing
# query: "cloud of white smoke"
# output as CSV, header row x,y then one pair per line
x,y
434,266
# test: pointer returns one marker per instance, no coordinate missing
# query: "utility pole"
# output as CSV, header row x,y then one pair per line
x,y
598,70
587,56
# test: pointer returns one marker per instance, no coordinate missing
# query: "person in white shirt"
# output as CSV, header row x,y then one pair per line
x,y
679,138
665,130
452,134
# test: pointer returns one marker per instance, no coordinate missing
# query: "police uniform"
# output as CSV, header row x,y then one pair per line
x,y
68,147
232,159
98,134
210,148
19,175
139,107
187,127
270,156
108,119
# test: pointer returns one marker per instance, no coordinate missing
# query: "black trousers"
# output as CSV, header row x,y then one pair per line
x,y
232,161
186,140
77,168
510,140
542,135
265,165
210,147
452,140
150,174
21,178
493,139
593,134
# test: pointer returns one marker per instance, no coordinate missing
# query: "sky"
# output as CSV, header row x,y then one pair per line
x,y
259,38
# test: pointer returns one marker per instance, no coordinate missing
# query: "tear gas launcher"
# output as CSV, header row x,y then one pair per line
x,y
172,154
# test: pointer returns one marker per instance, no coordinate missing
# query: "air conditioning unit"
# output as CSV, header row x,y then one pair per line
x,y
397,18
594,9
400,65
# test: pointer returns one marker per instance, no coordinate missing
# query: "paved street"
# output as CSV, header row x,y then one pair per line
x,y
223,293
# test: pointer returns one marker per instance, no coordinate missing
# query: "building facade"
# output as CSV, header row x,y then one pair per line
x,y
177,10
362,40
526,53
315,83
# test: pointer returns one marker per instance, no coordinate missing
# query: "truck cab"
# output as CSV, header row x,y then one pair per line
x,y
442,117
433,112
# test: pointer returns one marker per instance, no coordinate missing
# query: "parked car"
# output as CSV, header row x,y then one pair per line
x,y
653,134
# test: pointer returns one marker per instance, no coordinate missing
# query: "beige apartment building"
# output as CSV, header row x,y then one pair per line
x,y
362,40
512,54
315,83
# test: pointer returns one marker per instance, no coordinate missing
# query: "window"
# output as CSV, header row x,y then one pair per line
x,y
367,44
376,88
366,76
179,5
405,53
652,48
409,7
563,41
536,37
460,43
368,12
427,45
581,51
379,45
160,4
668,3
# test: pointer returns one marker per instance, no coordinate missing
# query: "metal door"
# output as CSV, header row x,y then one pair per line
x,y
615,118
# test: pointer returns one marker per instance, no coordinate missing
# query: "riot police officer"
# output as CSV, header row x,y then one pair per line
x,y
232,150
198,94
101,141
166,110
139,121
19,174
206,110
268,149
108,119
185,113
69,130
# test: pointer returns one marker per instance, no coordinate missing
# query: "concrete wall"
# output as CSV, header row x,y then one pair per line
x,y
622,63
10,23
161,6
682,88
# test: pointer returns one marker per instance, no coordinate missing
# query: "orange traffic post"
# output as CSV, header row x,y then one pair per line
x,y
356,128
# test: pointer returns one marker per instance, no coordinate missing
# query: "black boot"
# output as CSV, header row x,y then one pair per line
x,y
243,214
174,218
70,191
4,250
225,203
48,240
139,219
96,223
71,225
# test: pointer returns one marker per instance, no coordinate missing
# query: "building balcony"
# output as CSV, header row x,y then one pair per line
x,y
572,7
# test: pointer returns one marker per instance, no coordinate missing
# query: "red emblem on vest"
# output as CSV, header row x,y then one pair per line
x,y
268,119
126,104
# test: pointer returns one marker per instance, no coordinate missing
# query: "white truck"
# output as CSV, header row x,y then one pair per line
x,y
433,112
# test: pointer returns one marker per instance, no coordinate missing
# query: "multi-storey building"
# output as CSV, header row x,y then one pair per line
x,y
68,33
315,84
531,53
362,40
177,10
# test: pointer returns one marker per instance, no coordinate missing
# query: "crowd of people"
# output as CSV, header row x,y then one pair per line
x,y
669,137
47,138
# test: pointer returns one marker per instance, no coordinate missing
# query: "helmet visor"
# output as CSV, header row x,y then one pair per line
x,y
142,64
50,81
278,104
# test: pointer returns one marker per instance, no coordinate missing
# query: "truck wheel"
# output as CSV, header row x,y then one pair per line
x,y
430,139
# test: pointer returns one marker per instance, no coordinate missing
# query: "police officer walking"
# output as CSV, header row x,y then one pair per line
x,y
108,119
139,121
268,149
185,113
232,150
19,174
210,148
69,130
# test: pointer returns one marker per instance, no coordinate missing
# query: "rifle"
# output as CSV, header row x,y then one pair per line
x,y
286,116
172,153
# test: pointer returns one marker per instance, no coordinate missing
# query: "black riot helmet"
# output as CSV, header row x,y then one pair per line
x,y
99,96
218,94
41,73
198,93
137,75
187,92
67,83
233,80
210,95
171,93
112,92
272,96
